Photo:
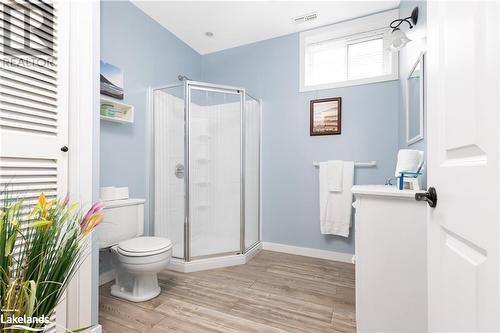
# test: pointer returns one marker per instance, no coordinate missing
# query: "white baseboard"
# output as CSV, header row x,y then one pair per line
x,y
106,277
309,252
96,329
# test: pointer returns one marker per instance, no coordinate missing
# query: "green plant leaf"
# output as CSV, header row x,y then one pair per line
x,y
40,223
31,298
10,244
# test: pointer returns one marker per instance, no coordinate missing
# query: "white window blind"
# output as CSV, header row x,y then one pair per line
x,y
326,62
366,59
346,54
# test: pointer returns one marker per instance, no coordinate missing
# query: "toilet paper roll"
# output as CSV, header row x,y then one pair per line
x,y
409,160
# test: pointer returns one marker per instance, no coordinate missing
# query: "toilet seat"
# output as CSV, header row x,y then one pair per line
x,y
144,246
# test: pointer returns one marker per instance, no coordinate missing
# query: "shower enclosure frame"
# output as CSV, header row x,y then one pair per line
x,y
188,85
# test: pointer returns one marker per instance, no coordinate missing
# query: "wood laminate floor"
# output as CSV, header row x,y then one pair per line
x,y
274,292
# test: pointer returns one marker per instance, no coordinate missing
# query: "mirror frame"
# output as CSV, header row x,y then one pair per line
x,y
420,135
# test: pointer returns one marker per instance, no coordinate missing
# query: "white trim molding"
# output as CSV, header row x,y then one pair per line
x,y
82,294
106,277
96,329
309,252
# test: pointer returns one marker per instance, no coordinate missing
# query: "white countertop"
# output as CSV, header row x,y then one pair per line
x,y
383,190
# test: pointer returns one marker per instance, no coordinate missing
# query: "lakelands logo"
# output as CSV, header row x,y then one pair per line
x,y
23,323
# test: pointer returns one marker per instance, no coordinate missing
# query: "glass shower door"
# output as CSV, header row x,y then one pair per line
x,y
252,172
169,184
214,171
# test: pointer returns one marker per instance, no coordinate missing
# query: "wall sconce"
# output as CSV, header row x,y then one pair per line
x,y
395,39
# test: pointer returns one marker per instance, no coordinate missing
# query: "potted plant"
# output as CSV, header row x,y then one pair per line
x,y
41,249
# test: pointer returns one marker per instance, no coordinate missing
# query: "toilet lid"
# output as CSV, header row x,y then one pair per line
x,y
142,246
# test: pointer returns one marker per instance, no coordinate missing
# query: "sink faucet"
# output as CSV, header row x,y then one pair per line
x,y
388,181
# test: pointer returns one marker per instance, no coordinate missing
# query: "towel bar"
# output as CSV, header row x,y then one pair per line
x,y
356,164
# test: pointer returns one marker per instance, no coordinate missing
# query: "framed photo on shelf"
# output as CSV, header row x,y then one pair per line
x,y
326,116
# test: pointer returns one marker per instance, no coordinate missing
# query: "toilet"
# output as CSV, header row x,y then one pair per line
x,y
136,259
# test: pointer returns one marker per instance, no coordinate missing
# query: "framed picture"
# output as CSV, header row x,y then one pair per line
x,y
111,80
326,116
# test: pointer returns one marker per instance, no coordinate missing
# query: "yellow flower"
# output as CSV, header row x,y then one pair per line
x,y
42,205
41,200
93,221
51,203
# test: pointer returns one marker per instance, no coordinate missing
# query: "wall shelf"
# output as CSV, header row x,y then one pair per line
x,y
124,112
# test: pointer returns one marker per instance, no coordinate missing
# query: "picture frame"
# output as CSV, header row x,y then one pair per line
x,y
111,80
325,116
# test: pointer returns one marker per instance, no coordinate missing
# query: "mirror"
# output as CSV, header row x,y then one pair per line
x,y
415,102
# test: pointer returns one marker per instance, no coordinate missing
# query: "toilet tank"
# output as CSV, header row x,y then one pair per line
x,y
123,219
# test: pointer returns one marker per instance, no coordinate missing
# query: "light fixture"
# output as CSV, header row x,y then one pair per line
x,y
209,34
395,39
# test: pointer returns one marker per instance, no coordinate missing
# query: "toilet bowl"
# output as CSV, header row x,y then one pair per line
x,y
136,259
137,262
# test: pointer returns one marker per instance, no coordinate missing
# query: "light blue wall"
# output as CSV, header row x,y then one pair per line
x,y
149,55
407,58
270,70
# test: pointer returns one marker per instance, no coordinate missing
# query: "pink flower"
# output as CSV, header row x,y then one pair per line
x,y
92,218
66,199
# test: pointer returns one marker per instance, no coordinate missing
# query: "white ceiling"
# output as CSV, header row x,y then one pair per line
x,y
236,23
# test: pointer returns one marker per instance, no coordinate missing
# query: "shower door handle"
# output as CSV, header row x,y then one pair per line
x,y
179,170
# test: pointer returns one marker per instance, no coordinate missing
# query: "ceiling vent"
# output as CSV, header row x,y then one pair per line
x,y
305,18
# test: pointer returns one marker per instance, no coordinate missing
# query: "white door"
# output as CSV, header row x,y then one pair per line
x,y
33,101
463,150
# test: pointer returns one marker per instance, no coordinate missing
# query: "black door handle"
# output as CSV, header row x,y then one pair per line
x,y
430,196
64,148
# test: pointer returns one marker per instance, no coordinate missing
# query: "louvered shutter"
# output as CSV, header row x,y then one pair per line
x,y
33,100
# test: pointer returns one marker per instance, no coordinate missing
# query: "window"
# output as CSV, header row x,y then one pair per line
x,y
347,54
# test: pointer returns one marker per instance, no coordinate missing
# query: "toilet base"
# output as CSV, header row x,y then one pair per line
x,y
136,277
137,282
143,296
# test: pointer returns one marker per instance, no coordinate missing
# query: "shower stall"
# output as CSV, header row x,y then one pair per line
x,y
206,140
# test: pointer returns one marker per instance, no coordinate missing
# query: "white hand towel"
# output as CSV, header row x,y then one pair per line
x,y
336,207
334,171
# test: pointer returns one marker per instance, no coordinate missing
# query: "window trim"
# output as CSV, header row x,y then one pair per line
x,y
361,28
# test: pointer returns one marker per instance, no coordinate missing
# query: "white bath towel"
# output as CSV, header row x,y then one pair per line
x,y
336,207
335,175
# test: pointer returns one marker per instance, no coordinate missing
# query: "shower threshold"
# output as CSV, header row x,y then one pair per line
x,y
179,265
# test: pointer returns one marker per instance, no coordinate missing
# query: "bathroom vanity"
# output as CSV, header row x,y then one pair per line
x,y
391,260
